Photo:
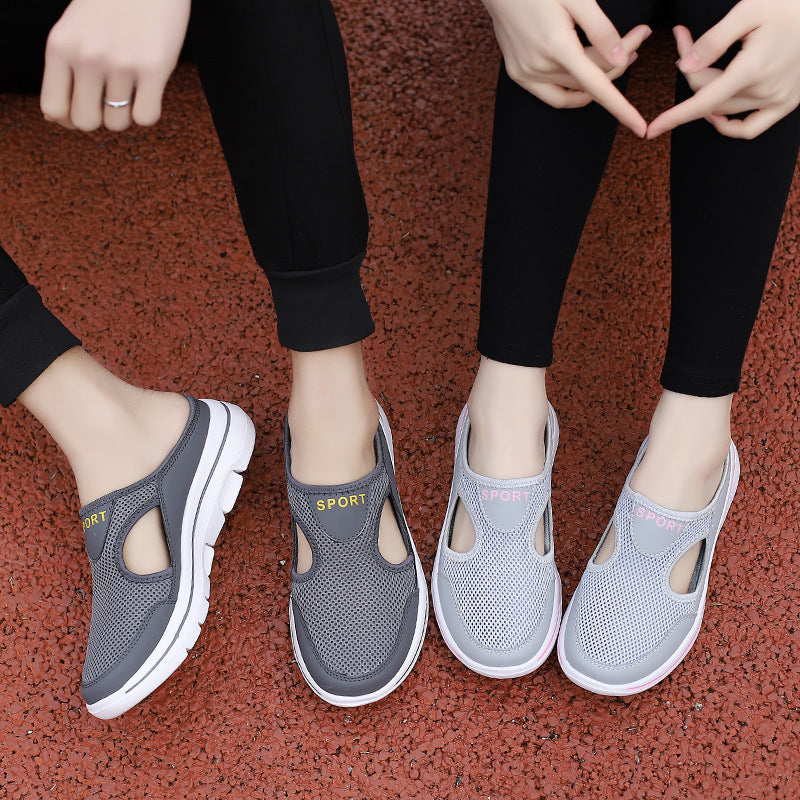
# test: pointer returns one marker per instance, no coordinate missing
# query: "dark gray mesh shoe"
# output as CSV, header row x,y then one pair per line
x,y
357,621
143,625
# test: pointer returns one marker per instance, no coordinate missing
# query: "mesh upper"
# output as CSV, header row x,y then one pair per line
x,y
501,588
624,609
120,605
352,602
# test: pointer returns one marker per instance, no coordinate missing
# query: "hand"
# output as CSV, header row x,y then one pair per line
x,y
120,50
764,77
544,55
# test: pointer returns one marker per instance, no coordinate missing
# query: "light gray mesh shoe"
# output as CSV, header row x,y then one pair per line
x,y
357,621
625,629
498,606
143,625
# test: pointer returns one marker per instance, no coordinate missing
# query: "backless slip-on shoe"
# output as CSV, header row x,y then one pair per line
x,y
143,625
357,621
625,629
498,606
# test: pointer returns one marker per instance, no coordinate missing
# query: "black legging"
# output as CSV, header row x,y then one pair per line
x,y
276,81
728,196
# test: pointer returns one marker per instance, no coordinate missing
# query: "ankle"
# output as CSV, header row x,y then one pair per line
x,y
686,452
331,448
332,417
698,428
112,433
508,414
131,438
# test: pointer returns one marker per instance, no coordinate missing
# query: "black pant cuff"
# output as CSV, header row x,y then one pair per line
x,y
31,338
683,382
322,308
520,356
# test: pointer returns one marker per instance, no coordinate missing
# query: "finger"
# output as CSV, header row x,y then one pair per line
x,y
119,89
632,41
149,91
599,30
711,97
619,71
561,79
569,82
697,80
683,40
558,97
751,126
86,110
595,82
56,89
635,38
736,105
716,41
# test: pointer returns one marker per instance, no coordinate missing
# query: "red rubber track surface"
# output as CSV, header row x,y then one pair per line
x,y
135,240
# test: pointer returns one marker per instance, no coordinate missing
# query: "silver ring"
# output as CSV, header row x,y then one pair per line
x,y
117,103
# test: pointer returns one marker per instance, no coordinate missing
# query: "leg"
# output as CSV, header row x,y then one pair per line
x,y
717,281
496,588
147,611
546,167
92,415
541,188
623,632
23,33
276,81
331,385
95,417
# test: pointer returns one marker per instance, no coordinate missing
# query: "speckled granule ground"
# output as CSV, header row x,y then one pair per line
x,y
136,242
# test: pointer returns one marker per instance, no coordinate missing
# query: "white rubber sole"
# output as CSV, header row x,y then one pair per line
x,y
657,675
346,701
213,492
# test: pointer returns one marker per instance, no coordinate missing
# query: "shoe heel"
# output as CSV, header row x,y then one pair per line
x,y
387,431
241,428
234,458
